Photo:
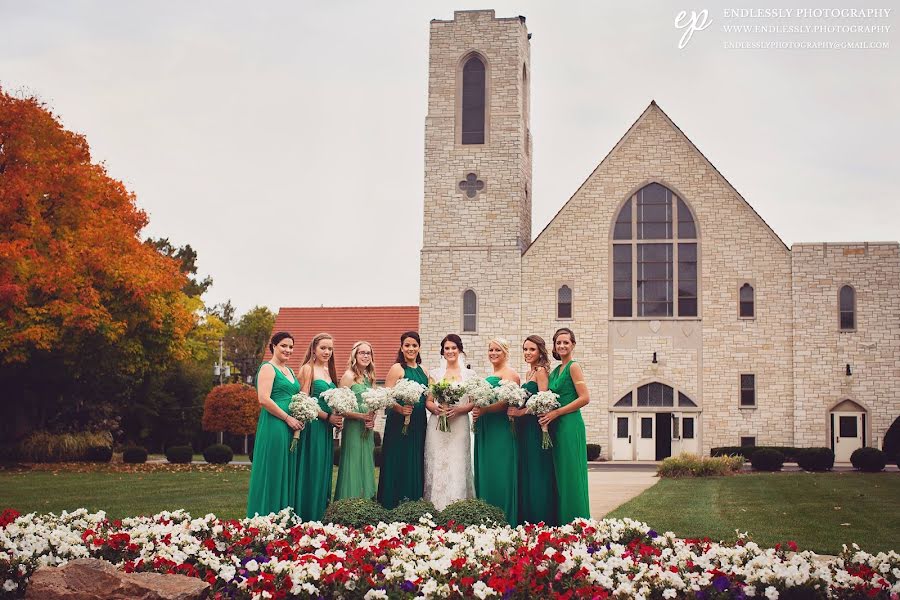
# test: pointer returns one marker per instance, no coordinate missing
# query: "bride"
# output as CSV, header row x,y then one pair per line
x,y
448,455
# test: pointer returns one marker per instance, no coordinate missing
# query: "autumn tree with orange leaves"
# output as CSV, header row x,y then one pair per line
x,y
232,408
87,310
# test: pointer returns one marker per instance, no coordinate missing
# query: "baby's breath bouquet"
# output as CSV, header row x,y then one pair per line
x,y
407,392
340,400
539,404
446,393
514,395
375,399
480,392
305,409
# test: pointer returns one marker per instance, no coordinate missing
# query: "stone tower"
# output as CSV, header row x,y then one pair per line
x,y
477,214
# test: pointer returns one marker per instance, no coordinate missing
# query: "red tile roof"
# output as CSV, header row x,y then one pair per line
x,y
381,326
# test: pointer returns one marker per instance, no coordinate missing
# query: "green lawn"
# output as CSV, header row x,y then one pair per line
x,y
819,511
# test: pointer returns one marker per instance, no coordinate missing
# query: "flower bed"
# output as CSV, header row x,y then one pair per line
x,y
276,557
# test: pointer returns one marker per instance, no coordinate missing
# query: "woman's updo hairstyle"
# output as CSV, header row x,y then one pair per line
x,y
452,337
277,338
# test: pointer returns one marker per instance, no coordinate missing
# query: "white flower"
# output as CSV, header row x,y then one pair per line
x,y
669,593
771,593
372,594
252,565
9,585
482,590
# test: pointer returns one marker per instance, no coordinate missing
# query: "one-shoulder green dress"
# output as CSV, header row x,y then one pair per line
x,y
273,466
496,461
403,469
537,478
315,461
356,472
569,451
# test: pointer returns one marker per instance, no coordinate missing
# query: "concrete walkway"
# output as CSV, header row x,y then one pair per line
x,y
616,484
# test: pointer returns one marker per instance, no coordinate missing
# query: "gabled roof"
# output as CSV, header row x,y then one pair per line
x,y
651,107
381,326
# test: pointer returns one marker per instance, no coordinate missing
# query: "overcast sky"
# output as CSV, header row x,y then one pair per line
x,y
284,140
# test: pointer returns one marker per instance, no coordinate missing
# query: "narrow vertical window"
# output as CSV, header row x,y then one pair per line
x,y
747,307
473,101
622,280
748,389
654,280
564,302
470,311
847,301
687,279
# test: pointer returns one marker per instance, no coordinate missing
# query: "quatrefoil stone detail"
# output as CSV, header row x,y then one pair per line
x,y
471,185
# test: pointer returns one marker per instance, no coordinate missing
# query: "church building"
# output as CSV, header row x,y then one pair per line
x,y
696,325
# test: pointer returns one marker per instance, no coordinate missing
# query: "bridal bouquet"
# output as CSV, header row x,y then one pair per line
x,y
539,404
446,393
406,392
480,393
375,399
514,395
340,400
305,409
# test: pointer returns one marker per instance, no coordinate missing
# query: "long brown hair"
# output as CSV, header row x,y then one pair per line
x,y
560,331
414,335
543,358
310,358
353,365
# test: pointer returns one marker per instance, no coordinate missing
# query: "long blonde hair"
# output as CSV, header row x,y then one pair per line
x,y
310,358
353,364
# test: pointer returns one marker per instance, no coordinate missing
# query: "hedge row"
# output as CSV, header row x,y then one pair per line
x,y
359,512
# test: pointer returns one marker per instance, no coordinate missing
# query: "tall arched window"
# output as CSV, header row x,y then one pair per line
x,y
564,302
470,311
847,308
747,308
655,256
473,101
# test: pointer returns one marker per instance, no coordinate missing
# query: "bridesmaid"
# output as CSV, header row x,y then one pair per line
x,y
403,471
537,480
270,475
570,441
315,452
356,473
496,464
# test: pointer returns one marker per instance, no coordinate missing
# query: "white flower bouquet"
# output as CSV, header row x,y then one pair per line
x,y
480,392
446,393
539,404
341,400
375,399
407,392
514,395
305,409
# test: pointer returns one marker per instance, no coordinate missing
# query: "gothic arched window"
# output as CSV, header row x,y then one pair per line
x,y
474,83
564,302
847,308
470,311
655,256
747,309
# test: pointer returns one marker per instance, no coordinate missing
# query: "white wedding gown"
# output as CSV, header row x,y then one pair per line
x,y
448,456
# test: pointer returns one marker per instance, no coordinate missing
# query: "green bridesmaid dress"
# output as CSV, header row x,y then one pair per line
x,y
496,463
403,470
356,472
537,480
569,451
270,475
315,461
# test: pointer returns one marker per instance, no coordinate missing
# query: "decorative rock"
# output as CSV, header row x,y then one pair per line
x,y
92,579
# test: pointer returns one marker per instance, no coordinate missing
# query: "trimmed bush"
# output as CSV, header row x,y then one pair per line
x,y
179,454
218,454
593,451
767,459
815,459
869,460
412,510
473,511
692,465
43,446
99,454
377,438
355,512
134,455
378,456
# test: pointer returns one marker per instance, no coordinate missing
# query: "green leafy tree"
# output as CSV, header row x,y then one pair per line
x,y
247,339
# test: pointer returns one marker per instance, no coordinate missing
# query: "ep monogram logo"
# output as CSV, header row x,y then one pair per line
x,y
696,22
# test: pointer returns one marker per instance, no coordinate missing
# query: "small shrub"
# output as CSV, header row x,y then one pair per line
x,y
218,454
815,459
412,510
43,446
355,512
134,455
179,454
99,454
337,456
250,455
767,459
377,439
378,456
692,465
473,511
789,452
593,451
869,460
